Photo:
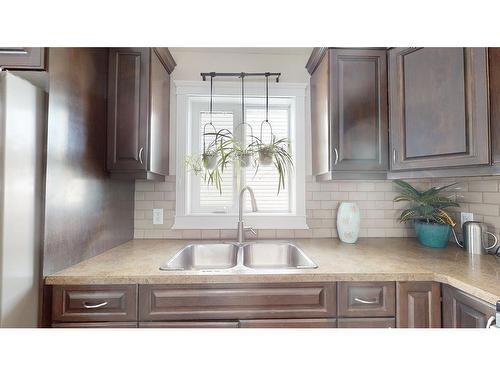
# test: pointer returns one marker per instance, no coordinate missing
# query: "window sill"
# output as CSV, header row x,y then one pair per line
x,y
262,221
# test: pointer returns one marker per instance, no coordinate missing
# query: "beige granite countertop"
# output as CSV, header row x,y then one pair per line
x,y
370,259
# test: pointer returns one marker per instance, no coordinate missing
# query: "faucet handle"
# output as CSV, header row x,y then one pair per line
x,y
251,230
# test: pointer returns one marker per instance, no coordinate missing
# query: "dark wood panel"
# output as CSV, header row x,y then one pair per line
x,y
22,58
96,325
166,58
236,301
461,310
367,299
439,107
128,108
320,117
289,323
86,212
192,324
359,109
159,134
94,303
418,305
366,323
494,74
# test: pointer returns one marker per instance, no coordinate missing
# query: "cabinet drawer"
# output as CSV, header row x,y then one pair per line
x,y
185,324
22,58
367,299
367,323
94,303
96,325
289,323
236,301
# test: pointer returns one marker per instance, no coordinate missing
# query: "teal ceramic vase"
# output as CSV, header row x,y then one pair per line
x,y
432,234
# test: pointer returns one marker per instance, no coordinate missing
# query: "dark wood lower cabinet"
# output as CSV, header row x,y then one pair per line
x,y
418,305
461,310
268,305
366,323
289,323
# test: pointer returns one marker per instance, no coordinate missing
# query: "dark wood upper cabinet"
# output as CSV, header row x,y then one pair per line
x,y
22,58
138,112
494,75
418,305
461,310
438,108
349,124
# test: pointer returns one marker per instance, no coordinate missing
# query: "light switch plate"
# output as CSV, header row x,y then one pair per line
x,y
465,216
157,216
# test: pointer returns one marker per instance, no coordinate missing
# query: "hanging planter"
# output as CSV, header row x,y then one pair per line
x,y
223,148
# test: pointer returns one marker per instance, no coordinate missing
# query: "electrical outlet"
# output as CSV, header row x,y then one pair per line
x,y
158,216
466,216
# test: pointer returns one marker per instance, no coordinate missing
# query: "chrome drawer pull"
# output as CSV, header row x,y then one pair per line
x,y
372,302
87,306
140,155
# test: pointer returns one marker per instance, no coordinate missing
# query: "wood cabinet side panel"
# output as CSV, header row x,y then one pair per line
x,y
461,310
418,305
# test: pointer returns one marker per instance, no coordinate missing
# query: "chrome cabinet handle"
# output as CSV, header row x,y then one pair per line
x,y
336,155
490,322
140,155
372,302
88,306
393,156
13,51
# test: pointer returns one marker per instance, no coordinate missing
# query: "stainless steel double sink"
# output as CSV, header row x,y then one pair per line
x,y
226,256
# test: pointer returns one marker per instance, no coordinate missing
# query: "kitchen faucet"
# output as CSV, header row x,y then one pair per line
x,y
241,226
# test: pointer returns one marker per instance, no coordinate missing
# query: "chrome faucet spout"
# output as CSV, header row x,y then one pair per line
x,y
241,227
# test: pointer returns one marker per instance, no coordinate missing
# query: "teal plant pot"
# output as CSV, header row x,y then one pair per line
x,y
432,234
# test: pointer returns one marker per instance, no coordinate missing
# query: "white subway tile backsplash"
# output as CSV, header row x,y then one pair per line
x,y
375,198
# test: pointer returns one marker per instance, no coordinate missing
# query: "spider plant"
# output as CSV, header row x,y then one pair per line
x,y
277,153
426,206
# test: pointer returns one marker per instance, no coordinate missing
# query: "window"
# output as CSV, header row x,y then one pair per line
x,y
202,206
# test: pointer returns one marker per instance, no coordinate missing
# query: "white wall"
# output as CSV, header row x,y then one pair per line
x,y
290,62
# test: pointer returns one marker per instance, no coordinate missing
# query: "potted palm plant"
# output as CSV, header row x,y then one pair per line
x,y
428,212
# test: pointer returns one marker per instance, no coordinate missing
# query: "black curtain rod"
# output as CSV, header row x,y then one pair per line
x,y
241,74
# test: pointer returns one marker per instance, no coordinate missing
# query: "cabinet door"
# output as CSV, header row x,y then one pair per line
x,y
418,305
289,323
128,108
358,80
461,310
438,107
22,58
320,116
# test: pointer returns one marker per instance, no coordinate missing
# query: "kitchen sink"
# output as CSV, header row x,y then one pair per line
x,y
225,256
275,256
204,257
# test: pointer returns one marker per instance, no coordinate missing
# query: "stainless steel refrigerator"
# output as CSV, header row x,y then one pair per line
x,y
22,142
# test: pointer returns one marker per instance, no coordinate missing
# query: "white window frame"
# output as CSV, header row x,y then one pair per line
x,y
293,220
